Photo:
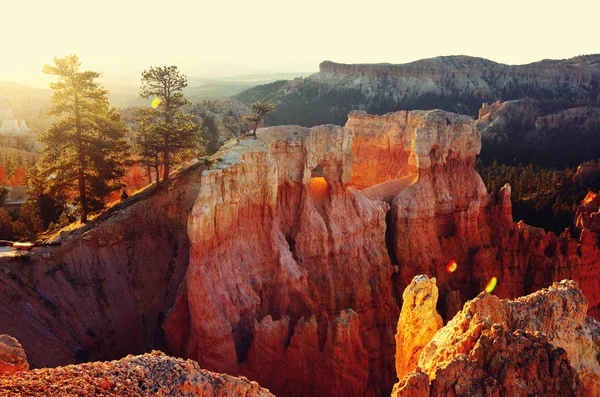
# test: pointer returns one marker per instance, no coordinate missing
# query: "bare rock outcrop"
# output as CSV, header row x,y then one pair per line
x,y
152,374
587,215
418,323
538,344
12,356
284,259
295,237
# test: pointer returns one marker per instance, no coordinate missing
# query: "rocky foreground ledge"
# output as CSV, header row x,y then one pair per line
x,y
154,374
542,344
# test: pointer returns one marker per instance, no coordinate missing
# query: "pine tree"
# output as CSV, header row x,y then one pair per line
x,y
6,225
167,131
259,112
85,149
148,140
29,224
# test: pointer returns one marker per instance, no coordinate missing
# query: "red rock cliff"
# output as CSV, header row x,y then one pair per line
x,y
541,344
295,236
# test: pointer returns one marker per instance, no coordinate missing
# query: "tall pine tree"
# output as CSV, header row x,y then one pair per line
x,y
169,131
85,149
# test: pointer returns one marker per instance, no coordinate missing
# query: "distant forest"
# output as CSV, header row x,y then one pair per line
x,y
542,197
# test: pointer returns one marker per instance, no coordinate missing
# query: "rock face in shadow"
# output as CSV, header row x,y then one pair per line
x,y
152,374
534,132
106,290
541,344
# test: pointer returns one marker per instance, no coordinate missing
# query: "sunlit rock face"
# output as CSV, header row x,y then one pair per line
x,y
286,258
302,240
12,356
418,323
154,374
289,277
541,344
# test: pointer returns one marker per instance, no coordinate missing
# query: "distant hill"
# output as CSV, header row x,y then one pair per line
x,y
454,83
199,89
26,102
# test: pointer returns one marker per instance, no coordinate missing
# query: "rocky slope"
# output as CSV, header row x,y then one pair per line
x,y
105,291
285,260
541,344
219,121
152,374
529,132
453,83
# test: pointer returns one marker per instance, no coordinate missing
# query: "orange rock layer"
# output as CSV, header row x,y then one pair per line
x,y
295,285
541,344
152,374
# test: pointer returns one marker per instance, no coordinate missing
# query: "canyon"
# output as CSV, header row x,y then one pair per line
x,y
283,258
531,132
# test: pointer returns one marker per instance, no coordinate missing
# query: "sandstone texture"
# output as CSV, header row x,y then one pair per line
x,y
152,374
12,356
284,258
541,344
301,239
418,323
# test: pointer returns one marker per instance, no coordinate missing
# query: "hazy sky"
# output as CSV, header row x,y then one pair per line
x,y
211,38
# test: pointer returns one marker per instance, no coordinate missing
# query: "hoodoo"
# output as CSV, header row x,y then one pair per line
x,y
284,260
540,344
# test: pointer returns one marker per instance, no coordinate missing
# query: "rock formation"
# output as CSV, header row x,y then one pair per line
x,y
284,260
588,213
152,374
105,291
533,132
418,323
453,83
220,121
325,216
541,344
12,356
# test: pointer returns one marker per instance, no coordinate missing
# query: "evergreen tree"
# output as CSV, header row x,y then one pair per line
x,y
259,112
148,140
49,205
168,131
29,224
85,149
6,225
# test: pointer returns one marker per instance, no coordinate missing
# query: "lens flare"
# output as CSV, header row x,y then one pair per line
x,y
491,285
155,103
451,266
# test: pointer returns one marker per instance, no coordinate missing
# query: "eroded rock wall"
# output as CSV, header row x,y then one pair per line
x,y
105,291
538,344
302,239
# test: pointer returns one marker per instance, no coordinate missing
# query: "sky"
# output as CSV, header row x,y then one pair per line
x,y
120,38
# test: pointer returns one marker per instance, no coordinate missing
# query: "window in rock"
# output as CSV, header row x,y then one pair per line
x,y
318,186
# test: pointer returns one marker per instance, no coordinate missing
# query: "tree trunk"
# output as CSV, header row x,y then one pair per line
x,y
81,176
149,172
166,167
